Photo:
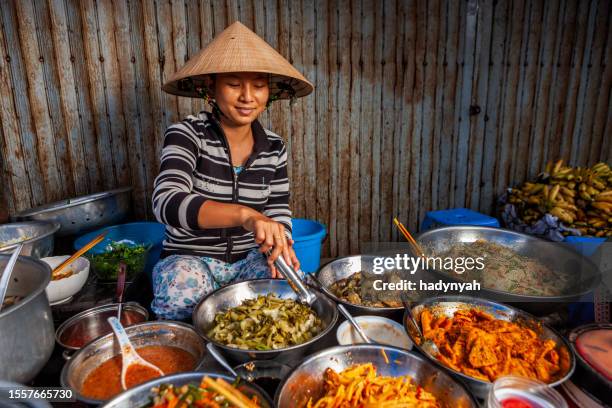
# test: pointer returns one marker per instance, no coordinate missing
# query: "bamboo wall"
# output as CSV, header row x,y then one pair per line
x,y
418,105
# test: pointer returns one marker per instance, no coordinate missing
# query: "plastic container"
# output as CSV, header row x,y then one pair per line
x,y
308,236
532,393
457,216
151,234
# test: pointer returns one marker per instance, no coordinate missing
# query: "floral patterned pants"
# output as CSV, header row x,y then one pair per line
x,y
181,281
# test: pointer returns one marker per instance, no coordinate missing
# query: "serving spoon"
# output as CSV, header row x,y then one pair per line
x,y
220,359
8,271
129,357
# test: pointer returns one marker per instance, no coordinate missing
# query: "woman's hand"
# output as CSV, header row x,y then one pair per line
x,y
270,235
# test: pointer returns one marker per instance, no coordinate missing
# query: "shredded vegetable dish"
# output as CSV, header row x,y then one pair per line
x,y
266,323
508,271
209,394
360,387
478,345
350,290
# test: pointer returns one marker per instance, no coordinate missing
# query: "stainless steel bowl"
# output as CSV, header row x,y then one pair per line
x,y
235,294
447,305
84,213
141,395
558,257
87,359
26,328
344,267
306,381
37,238
92,323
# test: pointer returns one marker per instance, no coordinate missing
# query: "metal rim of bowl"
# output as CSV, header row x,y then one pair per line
x,y
517,297
55,226
352,348
201,331
336,299
381,319
37,291
92,311
91,401
179,376
471,301
63,204
573,336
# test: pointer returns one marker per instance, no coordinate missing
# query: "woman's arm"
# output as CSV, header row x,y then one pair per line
x,y
174,203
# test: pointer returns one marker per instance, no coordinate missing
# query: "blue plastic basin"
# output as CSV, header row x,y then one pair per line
x,y
308,236
148,233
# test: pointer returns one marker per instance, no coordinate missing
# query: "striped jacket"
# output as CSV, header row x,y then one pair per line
x,y
196,166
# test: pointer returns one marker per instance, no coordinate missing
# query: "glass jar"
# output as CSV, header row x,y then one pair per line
x,y
531,393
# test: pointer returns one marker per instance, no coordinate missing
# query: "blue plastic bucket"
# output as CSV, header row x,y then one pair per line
x,y
148,233
308,236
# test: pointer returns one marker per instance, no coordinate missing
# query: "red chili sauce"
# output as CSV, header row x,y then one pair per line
x,y
104,382
86,330
516,403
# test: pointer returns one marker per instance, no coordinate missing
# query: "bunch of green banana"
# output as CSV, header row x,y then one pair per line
x,y
581,197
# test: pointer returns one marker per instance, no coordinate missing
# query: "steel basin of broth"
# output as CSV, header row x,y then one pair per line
x,y
104,382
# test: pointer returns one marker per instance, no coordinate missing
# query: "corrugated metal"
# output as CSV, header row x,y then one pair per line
x,y
387,132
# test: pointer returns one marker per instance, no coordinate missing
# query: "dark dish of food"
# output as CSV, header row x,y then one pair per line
x,y
508,271
352,290
361,386
104,382
478,345
209,394
11,301
595,348
266,323
106,265
84,331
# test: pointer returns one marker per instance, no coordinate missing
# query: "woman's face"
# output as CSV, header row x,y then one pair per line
x,y
241,96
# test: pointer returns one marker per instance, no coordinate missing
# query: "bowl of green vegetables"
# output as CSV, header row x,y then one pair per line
x,y
106,257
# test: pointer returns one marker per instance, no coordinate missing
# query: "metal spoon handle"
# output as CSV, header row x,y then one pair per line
x,y
120,288
305,295
220,359
408,309
8,271
354,323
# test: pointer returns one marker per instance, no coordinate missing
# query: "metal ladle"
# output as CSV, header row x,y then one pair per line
x,y
220,359
6,274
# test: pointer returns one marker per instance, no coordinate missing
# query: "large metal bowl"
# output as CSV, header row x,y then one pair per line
x,y
306,381
344,267
88,358
447,305
81,214
141,395
26,328
582,272
37,238
235,294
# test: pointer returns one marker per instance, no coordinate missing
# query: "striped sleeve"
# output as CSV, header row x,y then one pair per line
x,y
277,206
174,203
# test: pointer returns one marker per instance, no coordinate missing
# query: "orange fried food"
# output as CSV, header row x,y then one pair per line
x,y
360,387
479,345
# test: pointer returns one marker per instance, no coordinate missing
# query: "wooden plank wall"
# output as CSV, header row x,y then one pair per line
x,y
413,110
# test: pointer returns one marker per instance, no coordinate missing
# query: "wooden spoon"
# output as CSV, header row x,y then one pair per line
x,y
131,360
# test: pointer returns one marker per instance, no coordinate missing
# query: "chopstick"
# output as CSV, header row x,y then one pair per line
x,y
417,248
87,247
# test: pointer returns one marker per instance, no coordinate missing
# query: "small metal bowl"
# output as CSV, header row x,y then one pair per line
x,y
87,359
91,324
306,381
84,213
141,395
447,305
37,238
235,294
587,378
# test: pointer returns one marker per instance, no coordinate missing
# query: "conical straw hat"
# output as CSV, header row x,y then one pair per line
x,y
238,49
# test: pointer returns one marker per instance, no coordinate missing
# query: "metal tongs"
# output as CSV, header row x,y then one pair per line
x,y
295,281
